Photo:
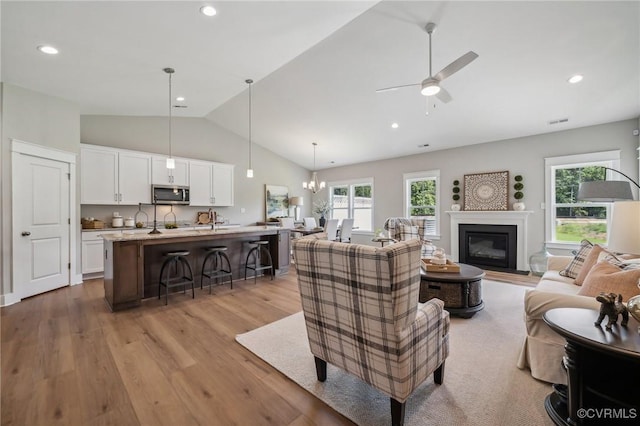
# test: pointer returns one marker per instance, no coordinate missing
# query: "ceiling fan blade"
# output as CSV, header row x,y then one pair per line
x,y
456,65
388,89
443,96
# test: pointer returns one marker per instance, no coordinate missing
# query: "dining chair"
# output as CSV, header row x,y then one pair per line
x,y
345,230
309,222
287,222
331,229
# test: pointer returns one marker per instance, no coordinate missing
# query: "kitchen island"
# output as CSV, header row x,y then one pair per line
x,y
132,260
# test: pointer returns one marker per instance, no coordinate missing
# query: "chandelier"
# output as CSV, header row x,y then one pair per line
x,y
314,185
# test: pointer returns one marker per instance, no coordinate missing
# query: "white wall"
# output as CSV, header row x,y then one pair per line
x,y
200,139
523,156
40,119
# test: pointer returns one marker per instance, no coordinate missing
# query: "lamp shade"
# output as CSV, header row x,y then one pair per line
x,y
296,201
624,235
605,191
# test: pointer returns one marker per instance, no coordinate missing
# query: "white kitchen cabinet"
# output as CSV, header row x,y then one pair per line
x,y
163,176
92,253
134,178
99,175
222,184
112,176
211,184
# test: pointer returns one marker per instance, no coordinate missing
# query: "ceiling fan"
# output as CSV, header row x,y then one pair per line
x,y
431,85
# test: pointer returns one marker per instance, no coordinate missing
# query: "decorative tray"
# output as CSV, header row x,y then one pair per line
x,y
431,267
203,218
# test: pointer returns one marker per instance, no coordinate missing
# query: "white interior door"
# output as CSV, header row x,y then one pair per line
x,y
41,225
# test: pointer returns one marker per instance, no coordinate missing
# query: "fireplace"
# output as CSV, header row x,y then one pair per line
x,y
489,246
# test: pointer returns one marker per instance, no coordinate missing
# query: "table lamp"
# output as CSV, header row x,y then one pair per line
x,y
295,202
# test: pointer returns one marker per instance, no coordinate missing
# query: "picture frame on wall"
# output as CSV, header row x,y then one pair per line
x,y
276,201
486,191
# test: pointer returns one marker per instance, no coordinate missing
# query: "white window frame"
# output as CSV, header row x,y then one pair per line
x,y
408,178
350,192
609,159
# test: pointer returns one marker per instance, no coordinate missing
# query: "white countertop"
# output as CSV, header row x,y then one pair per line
x,y
161,227
129,235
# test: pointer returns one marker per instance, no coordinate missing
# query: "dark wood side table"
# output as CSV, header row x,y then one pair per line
x,y
460,291
603,370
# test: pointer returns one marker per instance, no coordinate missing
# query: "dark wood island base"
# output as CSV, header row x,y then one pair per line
x,y
132,261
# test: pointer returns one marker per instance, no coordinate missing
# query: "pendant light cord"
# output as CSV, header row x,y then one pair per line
x,y
170,75
250,104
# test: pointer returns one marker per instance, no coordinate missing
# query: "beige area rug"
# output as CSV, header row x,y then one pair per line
x,y
482,385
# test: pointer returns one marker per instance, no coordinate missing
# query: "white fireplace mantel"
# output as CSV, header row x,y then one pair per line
x,y
508,217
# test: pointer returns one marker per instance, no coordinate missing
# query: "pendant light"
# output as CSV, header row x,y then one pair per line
x,y
249,170
171,163
314,185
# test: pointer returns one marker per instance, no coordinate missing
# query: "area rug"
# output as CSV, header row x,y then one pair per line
x,y
482,385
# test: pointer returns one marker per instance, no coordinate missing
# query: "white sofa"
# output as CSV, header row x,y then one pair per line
x,y
543,349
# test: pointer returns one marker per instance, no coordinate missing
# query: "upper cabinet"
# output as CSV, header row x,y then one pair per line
x,y
119,176
211,184
163,176
112,176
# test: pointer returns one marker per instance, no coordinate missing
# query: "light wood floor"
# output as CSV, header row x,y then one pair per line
x,y
67,360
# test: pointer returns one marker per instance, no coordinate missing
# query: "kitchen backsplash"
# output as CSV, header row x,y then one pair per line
x,y
184,214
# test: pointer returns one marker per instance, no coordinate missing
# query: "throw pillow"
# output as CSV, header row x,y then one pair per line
x,y
590,260
573,268
407,232
609,278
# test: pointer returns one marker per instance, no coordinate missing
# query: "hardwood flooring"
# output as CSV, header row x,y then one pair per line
x,y
67,360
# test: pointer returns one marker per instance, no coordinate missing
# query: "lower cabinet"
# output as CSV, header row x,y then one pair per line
x,y
92,253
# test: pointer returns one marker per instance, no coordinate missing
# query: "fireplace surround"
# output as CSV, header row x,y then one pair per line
x,y
509,217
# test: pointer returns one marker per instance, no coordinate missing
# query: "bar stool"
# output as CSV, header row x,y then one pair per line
x,y
215,256
258,247
181,267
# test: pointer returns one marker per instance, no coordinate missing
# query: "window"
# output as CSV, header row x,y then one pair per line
x,y
353,199
421,195
569,220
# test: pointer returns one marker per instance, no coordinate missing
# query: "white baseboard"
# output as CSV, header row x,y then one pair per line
x,y
76,279
9,299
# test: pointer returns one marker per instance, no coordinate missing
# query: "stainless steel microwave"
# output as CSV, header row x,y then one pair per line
x,y
170,194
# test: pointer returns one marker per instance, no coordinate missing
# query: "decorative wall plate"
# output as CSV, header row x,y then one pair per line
x,y
486,191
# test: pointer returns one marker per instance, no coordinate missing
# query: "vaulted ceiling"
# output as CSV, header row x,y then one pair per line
x,y
317,65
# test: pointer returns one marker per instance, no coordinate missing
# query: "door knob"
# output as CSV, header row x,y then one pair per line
x,y
26,234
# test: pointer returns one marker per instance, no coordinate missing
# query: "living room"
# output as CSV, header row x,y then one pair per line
x,y
604,117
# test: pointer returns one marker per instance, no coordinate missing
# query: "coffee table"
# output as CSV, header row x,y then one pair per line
x,y
460,291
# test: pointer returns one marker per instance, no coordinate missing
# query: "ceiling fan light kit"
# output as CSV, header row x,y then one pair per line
x,y
430,86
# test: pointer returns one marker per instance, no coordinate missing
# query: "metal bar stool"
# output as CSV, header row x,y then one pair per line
x,y
181,268
258,247
215,256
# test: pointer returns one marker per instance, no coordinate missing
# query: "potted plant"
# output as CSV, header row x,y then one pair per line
x,y
456,196
322,208
518,195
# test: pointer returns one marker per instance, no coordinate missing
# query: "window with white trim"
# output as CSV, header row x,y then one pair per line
x,y
421,195
568,219
353,199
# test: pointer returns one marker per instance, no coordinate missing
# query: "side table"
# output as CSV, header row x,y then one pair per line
x,y
603,370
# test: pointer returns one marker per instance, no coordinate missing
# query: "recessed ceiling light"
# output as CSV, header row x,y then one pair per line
x,y
208,10
424,145
180,99
394,125
49,50
575,79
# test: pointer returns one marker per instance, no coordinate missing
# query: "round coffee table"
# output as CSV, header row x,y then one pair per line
x,y
460,291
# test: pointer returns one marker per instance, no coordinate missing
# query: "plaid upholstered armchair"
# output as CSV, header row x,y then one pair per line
x,y
362,315
402,229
